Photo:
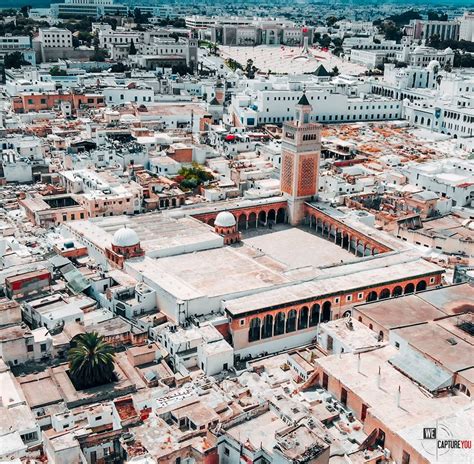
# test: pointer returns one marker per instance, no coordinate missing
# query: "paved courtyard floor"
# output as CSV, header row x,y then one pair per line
x,y
283,59
296,247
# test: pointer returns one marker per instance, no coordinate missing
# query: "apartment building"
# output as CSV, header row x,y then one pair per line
x,y
273,102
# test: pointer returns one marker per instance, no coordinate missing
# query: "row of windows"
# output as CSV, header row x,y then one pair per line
x,y
330,118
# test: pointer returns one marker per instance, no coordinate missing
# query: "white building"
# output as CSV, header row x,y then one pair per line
x,y
423,56
54,37
94,8
18,43
450,178
341,100
466,28
128,94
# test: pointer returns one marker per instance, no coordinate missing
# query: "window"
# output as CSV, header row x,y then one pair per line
x,y
349,297
242,322
43,347
226,451
344,396
405,458
360,296
29,348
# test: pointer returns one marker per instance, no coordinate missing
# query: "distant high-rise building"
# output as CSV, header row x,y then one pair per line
x,y
301,150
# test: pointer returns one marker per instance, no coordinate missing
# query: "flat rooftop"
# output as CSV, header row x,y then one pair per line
x,y
350,277
415,407
398,312
440,345
160,234
193,275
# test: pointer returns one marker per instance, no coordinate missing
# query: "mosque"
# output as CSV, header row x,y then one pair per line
x,y
265,272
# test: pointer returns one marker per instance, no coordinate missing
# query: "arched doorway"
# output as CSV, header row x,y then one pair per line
x,y
271,216
242,223
254,330
372,296
385,293
314,316
252,220
291,321
409,288
279,324
267,327
421,285
326,315
397,291
280,218
303,318
262,218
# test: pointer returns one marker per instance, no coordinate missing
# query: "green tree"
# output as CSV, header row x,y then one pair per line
x,y
57,71
133,49
331,20
91,361
434,41
325,41
193,176
25,10
14,60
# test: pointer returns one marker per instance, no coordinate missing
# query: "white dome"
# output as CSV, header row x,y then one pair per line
x,y
225,219
125,237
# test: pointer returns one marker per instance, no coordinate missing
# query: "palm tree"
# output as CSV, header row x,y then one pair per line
x,y
91,361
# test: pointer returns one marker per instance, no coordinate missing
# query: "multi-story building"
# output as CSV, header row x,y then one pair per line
x,y
55,37
93,8
272,101
466,28
423,56
425,29
18,43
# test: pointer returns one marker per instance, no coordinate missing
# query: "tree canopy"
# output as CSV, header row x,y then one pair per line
x,y
91,361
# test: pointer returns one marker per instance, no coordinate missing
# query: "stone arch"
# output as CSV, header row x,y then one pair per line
x,y
262,217
252,220
271,216
384,294
421,285
409,288
372,296
326,314
254,329
242,222
279,328
397,291
314,315
267,326
291,321
280,217
303,318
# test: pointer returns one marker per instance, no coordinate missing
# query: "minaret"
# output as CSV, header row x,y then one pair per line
x,y
301,150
